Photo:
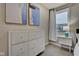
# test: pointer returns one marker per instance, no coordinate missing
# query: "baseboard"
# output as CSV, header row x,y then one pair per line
x,y
59,45
55,43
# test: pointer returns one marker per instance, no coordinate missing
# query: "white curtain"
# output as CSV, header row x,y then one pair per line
x,y
52,27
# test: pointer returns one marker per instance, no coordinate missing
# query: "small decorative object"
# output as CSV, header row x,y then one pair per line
x,y
16,13
66,34
34,15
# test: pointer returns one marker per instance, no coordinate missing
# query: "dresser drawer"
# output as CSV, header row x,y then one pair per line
x,y
41,42
20,50
33,37
33,44
35,34
36,46
35,51
37,43
18,37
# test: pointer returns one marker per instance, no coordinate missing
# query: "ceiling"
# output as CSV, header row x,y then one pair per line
x,y
52,5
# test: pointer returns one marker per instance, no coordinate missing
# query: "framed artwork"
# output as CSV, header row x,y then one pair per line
x,y
34,15
16,13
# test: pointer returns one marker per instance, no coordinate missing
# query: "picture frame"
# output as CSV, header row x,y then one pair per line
x,y
16,13
34,15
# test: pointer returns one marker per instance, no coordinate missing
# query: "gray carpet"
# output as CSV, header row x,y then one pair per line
x,y
53,50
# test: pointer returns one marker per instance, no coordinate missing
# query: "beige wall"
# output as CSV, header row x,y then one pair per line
x,y
74,17
74,21
4,28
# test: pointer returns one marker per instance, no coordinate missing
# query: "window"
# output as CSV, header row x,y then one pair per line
x,y
62,21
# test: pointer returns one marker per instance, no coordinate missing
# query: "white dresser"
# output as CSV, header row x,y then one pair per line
x,y
37,42
25,42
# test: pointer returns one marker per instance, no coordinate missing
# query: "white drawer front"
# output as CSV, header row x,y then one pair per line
x,y
33,52
20,50
33,47
37,43
35,34
32,37
18,37
36,46
33,44
41,41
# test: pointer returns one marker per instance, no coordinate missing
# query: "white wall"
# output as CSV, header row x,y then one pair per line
x,y
4,28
